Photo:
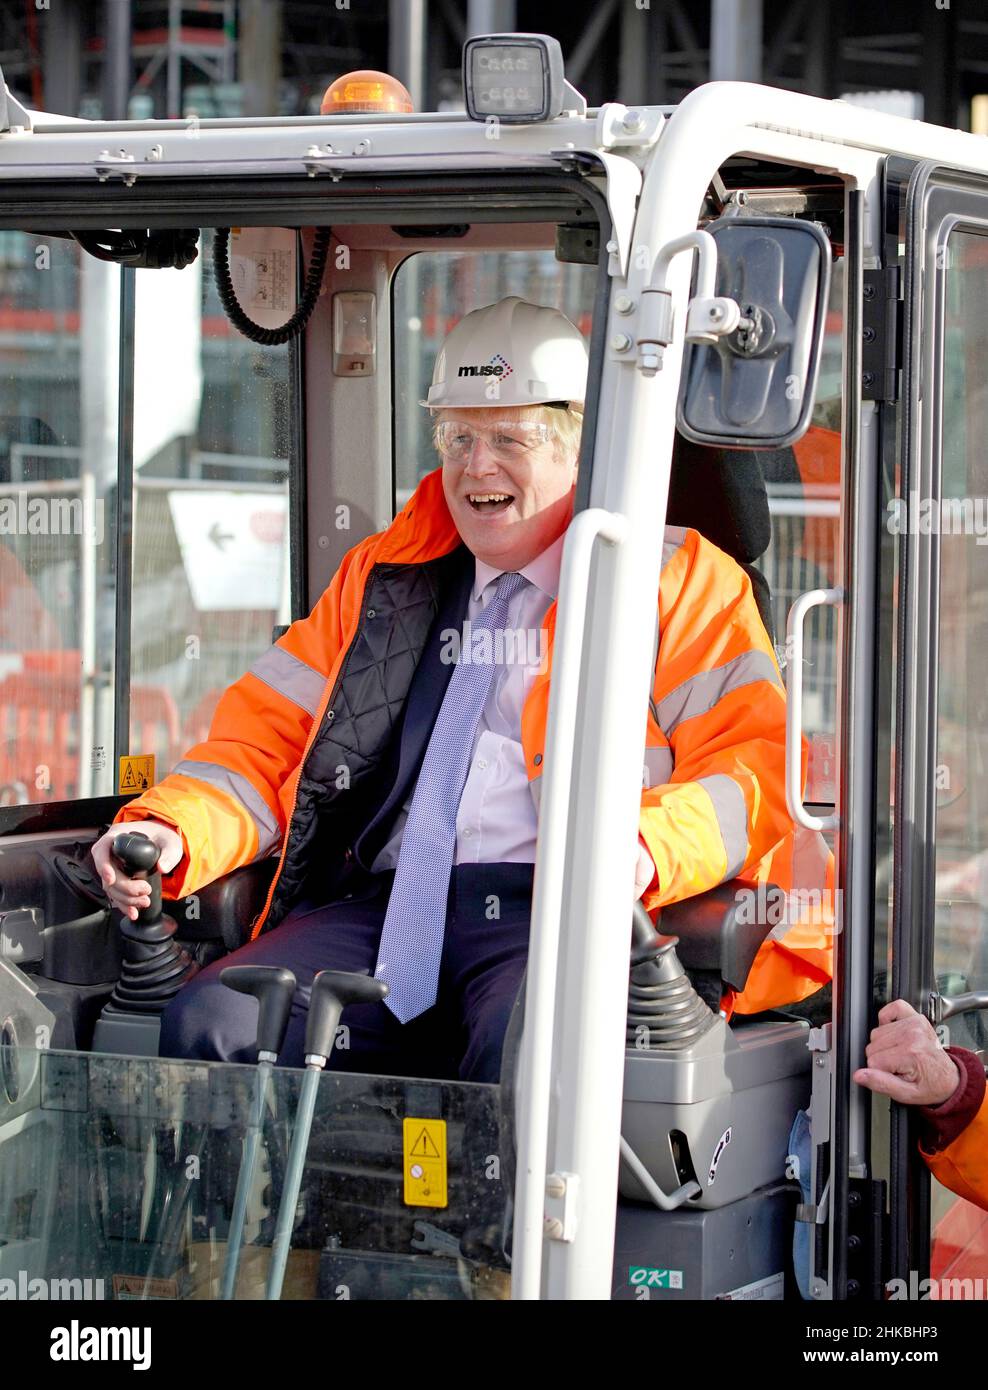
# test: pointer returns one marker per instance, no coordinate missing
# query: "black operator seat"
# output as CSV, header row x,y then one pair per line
x,y
721,493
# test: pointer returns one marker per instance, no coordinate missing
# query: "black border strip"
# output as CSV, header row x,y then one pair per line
x,y
896,176
912,737
853,840
45,817
598,337
298,541
298,201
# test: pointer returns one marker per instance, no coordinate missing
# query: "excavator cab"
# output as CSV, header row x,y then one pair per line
x,y
221,340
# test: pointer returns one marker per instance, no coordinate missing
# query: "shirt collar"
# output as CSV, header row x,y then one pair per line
x,y
543,571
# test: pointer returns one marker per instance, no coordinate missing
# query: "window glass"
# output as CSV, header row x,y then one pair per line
x,y
432,292
210,557
804,499
58,461
210,578
118,1177
960,959
961,940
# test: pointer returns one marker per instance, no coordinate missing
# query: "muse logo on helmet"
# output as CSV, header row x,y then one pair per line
x,y
497,366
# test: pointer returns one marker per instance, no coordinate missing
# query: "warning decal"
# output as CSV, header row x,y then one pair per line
x,y
136,772
137,1286
424,1145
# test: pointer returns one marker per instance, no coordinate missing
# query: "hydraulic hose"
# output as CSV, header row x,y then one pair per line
x,y
269,337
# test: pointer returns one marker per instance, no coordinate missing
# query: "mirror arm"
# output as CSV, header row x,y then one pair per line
x,y
709,316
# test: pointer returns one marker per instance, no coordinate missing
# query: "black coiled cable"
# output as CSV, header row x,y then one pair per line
x,y
269,337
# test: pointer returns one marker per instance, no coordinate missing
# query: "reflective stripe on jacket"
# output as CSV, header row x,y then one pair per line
x,y
307,726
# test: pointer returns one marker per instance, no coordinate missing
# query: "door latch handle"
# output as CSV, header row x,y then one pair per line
x,y
944,1006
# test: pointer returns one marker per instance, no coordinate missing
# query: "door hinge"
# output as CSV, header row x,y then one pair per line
x,y
562,1191
867,1242
881,334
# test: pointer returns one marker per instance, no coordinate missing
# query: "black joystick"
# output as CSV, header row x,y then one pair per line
x,y
137,856
664,1010
154,966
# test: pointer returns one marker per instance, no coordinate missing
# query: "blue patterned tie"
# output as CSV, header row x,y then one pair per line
x,y
415,923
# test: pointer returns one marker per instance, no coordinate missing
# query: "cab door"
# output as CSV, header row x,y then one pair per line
x,y
939,888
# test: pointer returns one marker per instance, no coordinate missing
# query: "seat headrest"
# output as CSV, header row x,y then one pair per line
x,y
721,493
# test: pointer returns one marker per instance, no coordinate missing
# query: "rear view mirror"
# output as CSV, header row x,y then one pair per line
x,y
754,388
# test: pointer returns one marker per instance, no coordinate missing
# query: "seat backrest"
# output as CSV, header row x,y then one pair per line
x,y
721,493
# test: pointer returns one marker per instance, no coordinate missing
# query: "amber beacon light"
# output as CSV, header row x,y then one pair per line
x,y
365,91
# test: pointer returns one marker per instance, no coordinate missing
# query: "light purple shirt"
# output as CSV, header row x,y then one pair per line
x,y
497,820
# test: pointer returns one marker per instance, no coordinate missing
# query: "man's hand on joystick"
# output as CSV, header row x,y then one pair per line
x,y
128,895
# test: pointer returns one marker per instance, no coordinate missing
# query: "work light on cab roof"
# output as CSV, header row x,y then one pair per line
x,y
517,79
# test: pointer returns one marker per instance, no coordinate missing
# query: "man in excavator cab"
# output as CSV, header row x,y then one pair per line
x,y
391,746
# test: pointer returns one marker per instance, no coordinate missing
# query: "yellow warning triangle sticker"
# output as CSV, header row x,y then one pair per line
x,y
136,772
424,1146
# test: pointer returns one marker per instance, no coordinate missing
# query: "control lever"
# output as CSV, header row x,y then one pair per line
x,y
332,991
136,854
154,966
273,986
664,1010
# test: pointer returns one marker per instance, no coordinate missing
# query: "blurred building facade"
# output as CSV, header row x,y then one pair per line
x,y
163,58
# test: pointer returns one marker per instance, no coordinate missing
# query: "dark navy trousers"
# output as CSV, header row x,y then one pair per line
x,y
461,1037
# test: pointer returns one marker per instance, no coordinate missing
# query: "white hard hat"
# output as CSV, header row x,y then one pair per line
x,y
509,353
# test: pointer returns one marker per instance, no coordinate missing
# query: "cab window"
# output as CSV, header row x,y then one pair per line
x,y
157,545
431,292
59,412
961,847
210,495
804,485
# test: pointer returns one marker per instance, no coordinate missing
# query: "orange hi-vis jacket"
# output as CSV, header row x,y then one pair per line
x,y
963,1164
306,727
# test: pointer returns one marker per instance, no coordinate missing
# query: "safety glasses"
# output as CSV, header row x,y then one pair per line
x,y
508,440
